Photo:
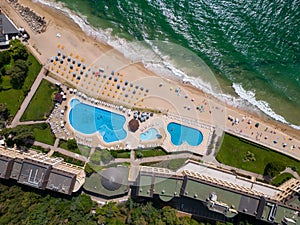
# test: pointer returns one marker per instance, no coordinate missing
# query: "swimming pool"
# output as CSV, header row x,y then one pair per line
x,y
150,134
88,119
180,134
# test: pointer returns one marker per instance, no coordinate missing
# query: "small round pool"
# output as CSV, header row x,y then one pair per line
x,y
150,134
181,134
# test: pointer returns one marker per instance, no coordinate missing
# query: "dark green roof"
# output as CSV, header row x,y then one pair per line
x,y
111,187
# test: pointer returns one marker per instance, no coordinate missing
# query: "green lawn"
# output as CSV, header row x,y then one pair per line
x,y
172,164
68,159
149,152
64,144
13,97
81,149
41,132
40,149
281,178
41,104
33,70
44,135
120,153
233,152
84,150
5,83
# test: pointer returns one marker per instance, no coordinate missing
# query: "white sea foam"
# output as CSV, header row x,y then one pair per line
x,y
262,105
157,62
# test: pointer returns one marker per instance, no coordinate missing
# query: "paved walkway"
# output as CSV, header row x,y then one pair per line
x,y
31,122
294,173
28,98
51,80
62,151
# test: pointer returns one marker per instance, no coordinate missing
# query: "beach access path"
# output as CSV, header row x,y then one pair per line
x,y
34,87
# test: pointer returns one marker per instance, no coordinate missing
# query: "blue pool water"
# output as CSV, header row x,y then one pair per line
x,y
180,134
88,120
150,134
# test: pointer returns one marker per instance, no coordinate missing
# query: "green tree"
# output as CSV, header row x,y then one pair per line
x,y
71,144
88,170
17,80
22,65
169,216
18,50
139,155
18,73
4,113
84,203
4,58
24,139
273,168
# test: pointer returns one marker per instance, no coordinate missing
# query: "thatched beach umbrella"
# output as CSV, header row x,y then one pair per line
x,y
133,125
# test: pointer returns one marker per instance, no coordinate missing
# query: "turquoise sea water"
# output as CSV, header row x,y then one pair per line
x,y
88,120
252,45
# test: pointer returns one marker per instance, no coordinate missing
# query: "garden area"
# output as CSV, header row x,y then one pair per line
x,y
40,149
101,156
281,178
120,153
72,146
172,164
42,102
246,155
68,159
158,151
43,133
18,70
27,134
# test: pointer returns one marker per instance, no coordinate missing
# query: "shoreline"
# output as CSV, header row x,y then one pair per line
x,y
238,97
58,20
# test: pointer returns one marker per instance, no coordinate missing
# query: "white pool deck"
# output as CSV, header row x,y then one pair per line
x,y
132,140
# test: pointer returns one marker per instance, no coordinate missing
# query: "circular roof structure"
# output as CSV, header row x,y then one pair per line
x,y
111,179
133,125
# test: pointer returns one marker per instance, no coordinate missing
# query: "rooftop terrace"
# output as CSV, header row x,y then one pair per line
x,y
39,171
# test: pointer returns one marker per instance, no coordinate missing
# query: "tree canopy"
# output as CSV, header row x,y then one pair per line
x,y
273,168
72,144
26,206
18,73
20,135
18,50
4,58
4,113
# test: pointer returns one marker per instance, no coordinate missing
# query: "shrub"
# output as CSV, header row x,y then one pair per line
x,y
272,169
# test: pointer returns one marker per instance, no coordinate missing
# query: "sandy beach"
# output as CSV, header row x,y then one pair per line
x,y
168,96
